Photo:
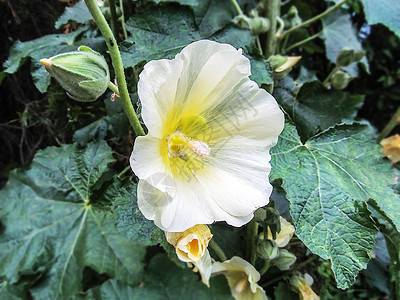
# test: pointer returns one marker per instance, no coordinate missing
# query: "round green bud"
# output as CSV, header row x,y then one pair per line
x,y
267,249
340,80
259,25
84,74
277,60
358,55
345,57
285,260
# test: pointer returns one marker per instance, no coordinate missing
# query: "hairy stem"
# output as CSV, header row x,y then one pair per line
x,y
114,23
316,18
251,241
302,42
392,124
273,12
217,249
121,5
113,88
117,64
237,7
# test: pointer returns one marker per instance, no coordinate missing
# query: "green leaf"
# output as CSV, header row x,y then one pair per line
x,y
213,15
327,181
159,33
164,280
384,12
316,108
78,13
338,33
54,226
45,47
9,292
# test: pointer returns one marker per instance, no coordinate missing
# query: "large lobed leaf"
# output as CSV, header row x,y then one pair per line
x,y
163,32
54,227
384,12
339,33
315,108
78,13
328,181
163,280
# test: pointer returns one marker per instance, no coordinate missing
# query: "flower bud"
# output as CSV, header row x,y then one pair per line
x,y
84,74
340,80
191,244
255,24
358,55
267,249
345,57
391,148
282,65
285,260
284,235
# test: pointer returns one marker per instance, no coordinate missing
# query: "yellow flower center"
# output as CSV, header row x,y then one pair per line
x,y
190,248
184,150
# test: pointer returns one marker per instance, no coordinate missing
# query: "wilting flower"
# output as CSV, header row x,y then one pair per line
x,y
242,278
191,247
391,148
210,129
285,235
303,286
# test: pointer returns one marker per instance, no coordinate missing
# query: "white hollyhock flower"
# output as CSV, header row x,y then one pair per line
x,y
242,278
210,129
284,236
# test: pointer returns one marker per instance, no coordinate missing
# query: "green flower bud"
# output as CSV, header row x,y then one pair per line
x,y
277,60
285,260
84,74
255,24
340,80
267,249
345,57
358,55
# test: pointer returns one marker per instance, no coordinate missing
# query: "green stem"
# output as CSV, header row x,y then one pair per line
x,y
237,7
113,87
217,249
123,172
273,12
114,24
251,241
316,18
326,81
121,5
296,267
259,44
392,124
265,268
302,42
117,64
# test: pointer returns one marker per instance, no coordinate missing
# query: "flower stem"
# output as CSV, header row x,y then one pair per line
x,y
251,238
326,81
392,123
121,4
265,268
273,12
316,18
237,7
302,42
295,268
114,24
123,172
217,249
113,87
117,64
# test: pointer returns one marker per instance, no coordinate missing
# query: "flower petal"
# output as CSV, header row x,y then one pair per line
x,y
157,89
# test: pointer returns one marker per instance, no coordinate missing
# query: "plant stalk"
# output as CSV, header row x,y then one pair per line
x,y
302,42
316,18
326,81
113,88
237,7
117,64
217,249
392,124
114,23
251,241
265,268
121,5
273,12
